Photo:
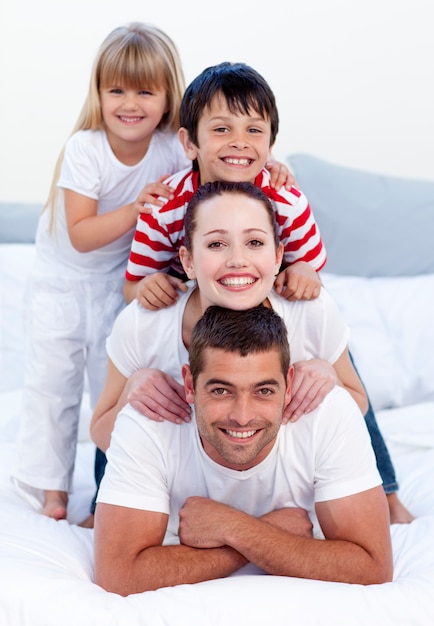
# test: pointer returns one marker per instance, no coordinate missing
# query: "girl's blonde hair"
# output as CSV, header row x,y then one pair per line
x,y
137,55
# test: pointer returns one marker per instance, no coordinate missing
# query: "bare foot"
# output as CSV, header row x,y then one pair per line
x,y
398,513
87,523
55,503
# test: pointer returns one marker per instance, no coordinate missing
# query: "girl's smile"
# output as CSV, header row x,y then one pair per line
x,y
130,119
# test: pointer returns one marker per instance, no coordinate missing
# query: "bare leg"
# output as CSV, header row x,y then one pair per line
x,y
399,514
55,503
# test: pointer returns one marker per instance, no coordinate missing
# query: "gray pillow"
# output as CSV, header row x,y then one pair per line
x,y
372,225
18,222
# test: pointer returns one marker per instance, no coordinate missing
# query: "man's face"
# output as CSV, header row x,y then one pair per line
x,y
231,147
239,402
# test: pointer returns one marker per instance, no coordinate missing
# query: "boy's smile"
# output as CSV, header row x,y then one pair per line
x,y
232,146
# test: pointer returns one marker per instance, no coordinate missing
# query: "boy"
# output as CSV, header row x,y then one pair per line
x,y
229,123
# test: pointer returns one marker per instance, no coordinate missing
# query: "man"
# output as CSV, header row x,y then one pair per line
x,y
197,502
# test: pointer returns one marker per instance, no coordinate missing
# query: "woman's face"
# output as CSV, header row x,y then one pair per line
x,y
233,256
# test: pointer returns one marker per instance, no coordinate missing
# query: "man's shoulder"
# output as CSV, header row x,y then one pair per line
x,y
167,436
339,398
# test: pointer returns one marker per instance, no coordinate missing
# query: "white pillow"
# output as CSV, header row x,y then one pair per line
x,y
16,260
392,334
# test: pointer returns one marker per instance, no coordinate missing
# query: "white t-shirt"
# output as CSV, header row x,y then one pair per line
x,y
325,455
90,168
142,338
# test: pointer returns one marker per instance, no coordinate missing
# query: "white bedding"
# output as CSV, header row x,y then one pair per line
x,y
46,567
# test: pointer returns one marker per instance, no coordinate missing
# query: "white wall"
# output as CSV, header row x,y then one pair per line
x,y
353,79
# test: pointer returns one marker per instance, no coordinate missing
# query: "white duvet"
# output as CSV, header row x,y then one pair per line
x,y
46,567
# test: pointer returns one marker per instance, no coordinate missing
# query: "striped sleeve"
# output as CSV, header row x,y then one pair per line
x,y
159,235
298,229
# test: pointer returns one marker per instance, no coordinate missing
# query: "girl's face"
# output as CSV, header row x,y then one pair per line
x,y
233,256
131,116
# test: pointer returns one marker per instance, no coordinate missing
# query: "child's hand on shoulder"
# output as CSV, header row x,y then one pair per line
x,y
159,290
280,175
150,195
298,282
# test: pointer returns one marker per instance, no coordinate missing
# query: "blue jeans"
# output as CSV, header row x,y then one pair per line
x,y
384,462
98,471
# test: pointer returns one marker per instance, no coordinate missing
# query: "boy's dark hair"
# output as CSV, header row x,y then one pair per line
x,y
218,188
243,88
244,332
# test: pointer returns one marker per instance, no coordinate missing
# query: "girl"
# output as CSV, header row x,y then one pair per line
x,y
124,138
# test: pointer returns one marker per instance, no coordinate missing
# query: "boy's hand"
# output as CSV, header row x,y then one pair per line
x,y
150,195
159,290
298,282
280,175
158,396
313,379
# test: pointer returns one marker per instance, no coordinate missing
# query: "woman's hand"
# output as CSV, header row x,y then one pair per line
x,y
158,396
313,379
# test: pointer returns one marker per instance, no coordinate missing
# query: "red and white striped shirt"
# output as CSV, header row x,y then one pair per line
x,y
159,235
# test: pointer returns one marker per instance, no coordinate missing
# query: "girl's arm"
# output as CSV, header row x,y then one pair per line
x,y
89,231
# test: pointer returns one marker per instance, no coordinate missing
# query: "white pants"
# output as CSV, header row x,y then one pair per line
x,y
68,325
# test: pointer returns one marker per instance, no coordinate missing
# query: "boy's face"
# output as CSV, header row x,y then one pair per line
x,y
231,147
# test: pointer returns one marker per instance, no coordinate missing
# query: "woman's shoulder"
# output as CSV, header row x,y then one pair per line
x,y
288,307
134,316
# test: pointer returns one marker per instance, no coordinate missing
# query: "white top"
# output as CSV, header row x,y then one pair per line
x,y
325,455
142,338
90,168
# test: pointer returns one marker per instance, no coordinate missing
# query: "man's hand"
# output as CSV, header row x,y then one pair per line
x,y
313,379
202,522
158,396
298,281
292,520
159,290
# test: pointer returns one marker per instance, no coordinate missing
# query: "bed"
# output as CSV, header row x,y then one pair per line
x,y
386,292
